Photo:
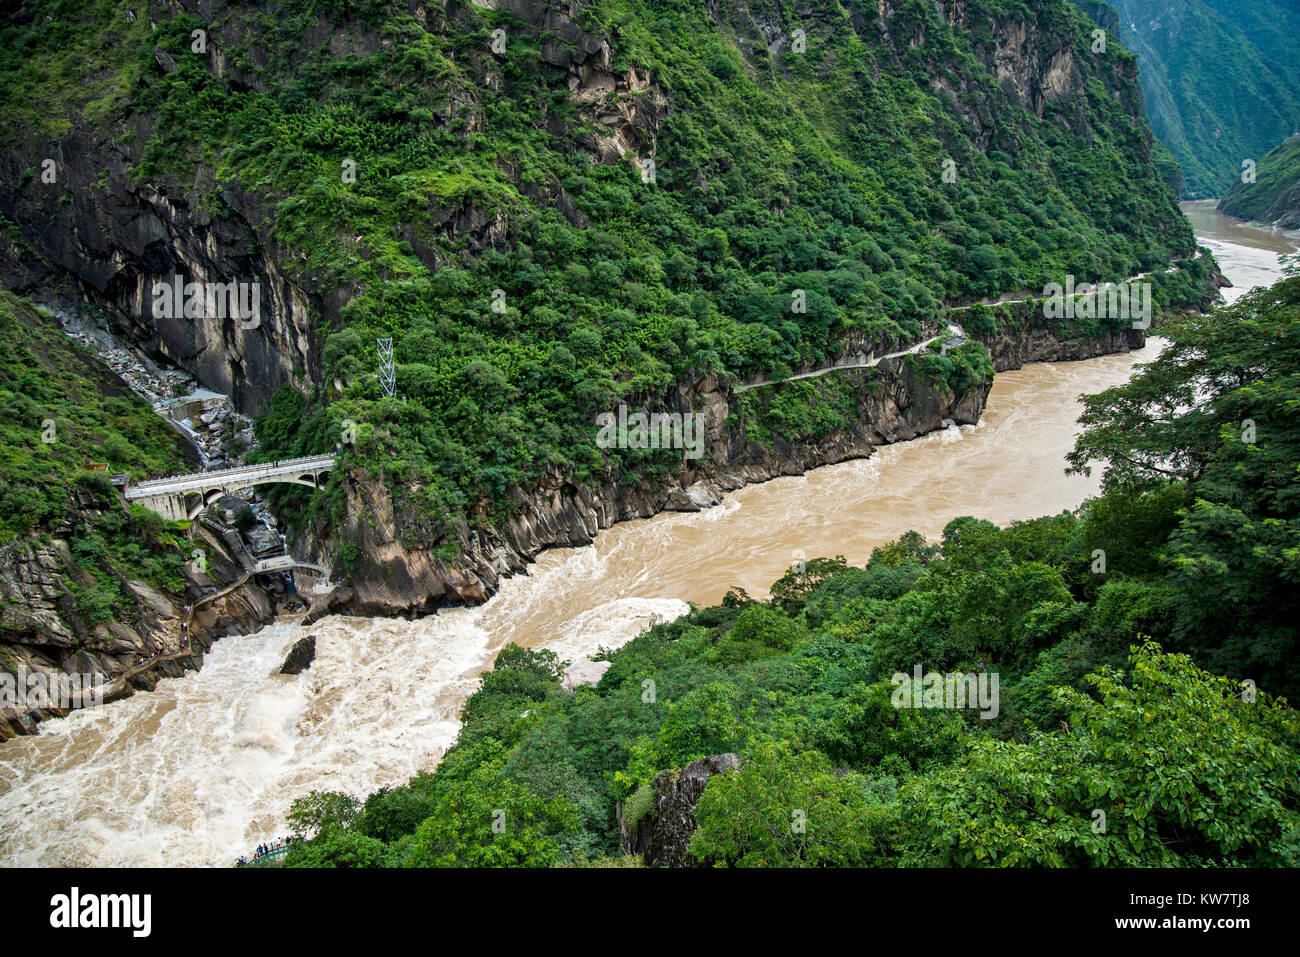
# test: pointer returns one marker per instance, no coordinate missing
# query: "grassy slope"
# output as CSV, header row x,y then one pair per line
x,y
46,378
50,387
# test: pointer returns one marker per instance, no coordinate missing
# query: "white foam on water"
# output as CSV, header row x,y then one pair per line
x,y
204,768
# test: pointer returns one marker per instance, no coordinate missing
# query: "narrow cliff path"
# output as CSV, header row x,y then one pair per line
x,y
861,364
1009,298
121,687
1025,295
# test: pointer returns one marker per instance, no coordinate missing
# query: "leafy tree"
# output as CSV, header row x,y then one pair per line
x,y
1215,411
1183,413
759,632
1183,771
339,848
392,813
321,810
864,728
489,820
792,589
703,722
523,671
783,809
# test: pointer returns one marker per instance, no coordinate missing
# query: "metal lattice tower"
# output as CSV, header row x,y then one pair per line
x,y
387,375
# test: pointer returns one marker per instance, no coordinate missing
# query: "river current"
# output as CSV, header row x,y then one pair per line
x,y
205,768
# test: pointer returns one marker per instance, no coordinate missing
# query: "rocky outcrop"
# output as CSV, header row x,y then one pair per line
x,y
1020,332
663,831
1025,336
892,402
97,238
43,632
1033,59
1102,14
300,656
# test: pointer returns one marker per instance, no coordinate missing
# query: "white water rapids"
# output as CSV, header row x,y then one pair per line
x,y
205,768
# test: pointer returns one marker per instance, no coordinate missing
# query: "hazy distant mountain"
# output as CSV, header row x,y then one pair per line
x,y
1221,80
1274,196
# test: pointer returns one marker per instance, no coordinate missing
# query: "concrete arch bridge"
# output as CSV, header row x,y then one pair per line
x,y
184,497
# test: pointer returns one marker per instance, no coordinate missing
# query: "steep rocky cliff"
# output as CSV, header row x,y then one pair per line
x,y
43,634
892,403
91,231
552,207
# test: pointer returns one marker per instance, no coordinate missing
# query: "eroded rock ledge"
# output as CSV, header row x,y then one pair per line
x,y
894,405
663,832
42,633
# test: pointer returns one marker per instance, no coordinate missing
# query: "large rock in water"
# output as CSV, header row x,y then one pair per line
x,y
301,655
662,833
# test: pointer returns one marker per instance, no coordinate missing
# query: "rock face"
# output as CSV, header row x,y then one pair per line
x,y
893,404
118,239
1025,336
300,657
584,673
42,632
663,832
107,236
105,239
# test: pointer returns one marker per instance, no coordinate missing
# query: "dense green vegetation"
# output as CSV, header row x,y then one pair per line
x,y
1214,416
819,171
886,180
1220,79
62,410
1275,194
1110,745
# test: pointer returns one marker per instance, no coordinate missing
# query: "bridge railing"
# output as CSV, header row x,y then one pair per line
x,y
283,465
285,562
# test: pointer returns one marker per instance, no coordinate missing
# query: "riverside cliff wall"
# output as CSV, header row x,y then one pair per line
x,y
893,403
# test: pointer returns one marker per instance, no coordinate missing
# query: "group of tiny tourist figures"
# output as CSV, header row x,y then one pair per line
x,y
266,850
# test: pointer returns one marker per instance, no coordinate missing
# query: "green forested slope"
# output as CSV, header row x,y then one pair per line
x,y
1109,745
1274,197
1220,78
479,171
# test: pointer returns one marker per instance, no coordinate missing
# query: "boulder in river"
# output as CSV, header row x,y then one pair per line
x,y
301,655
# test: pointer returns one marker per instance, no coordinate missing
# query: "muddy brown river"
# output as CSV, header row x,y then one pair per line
x,y
205,768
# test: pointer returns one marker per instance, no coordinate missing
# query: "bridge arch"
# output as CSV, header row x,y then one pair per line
x,y
185,496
